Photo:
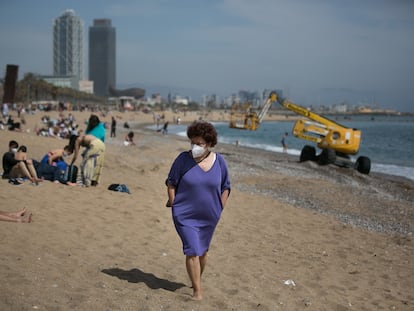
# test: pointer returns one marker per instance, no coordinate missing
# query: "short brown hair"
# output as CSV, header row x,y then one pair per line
x,y
203,129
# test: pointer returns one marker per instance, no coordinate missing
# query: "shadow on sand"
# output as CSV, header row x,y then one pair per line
x,y
137,276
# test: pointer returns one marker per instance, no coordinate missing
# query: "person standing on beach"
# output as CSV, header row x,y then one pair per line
x,y
283,142
113,127
5,111
165,128
96,127
92,158
198,187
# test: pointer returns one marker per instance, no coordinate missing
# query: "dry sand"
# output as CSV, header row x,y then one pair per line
x,y
344,239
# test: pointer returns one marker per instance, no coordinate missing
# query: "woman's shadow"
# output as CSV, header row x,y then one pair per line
x,y
137,276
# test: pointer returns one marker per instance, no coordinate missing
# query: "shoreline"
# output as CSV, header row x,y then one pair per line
x,y
144,127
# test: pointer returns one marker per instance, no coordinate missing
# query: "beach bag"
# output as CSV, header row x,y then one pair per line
x,y
119,188
71,173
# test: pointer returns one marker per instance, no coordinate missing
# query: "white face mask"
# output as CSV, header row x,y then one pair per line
x,y
65,154
14,150
197,151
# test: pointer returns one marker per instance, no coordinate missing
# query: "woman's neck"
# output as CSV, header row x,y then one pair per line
x,y
203,157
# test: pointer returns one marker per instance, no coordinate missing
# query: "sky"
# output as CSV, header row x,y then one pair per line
x,y
319,52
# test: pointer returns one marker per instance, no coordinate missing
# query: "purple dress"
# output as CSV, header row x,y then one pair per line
x,y
197,205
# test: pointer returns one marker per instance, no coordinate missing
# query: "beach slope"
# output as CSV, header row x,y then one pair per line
x,y
294,236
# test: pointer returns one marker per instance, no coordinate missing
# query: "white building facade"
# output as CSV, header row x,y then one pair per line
x,y
68,45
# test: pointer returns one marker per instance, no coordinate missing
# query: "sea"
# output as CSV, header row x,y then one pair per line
x,y
388,140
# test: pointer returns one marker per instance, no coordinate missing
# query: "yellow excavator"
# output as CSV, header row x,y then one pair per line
x,y
336,141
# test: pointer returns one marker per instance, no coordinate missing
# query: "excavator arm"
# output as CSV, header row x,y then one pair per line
x,y
322,131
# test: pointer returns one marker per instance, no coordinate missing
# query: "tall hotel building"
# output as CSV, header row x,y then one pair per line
x,y
68,46
102,66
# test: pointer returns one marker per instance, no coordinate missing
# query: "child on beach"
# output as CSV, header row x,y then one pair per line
x,y
129,139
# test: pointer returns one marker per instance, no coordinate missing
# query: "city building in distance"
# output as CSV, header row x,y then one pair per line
x,y
102,52
68,46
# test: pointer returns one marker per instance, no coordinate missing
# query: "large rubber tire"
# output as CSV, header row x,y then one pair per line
x,y
363,165
327,156
308,154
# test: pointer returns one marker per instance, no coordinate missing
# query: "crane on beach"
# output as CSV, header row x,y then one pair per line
x,y
337,142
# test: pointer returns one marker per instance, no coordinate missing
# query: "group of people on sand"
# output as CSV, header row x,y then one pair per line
x,y
59,128
17,166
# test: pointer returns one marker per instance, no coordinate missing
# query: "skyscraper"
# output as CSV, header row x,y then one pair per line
x,y
68,45
102,66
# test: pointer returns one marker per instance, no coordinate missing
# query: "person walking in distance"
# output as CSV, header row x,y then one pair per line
x,y
113,127
283,142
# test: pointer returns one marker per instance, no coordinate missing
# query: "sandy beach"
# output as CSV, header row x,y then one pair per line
x,y
293,236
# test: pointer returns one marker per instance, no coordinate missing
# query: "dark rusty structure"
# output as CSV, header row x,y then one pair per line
x,y
10,84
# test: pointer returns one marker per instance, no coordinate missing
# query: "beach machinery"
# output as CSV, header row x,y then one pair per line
x,y
337,142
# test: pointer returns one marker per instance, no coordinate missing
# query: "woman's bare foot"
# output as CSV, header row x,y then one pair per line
x,y
197,295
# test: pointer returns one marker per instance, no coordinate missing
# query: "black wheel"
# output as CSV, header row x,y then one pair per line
x,y
327,156
363,165
308,154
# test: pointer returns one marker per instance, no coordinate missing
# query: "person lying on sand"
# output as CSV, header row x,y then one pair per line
x,y
19,216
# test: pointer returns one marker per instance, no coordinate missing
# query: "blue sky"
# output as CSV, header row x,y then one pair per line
x,y
318,52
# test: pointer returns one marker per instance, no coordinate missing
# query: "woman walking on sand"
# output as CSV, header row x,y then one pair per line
x,y
198,186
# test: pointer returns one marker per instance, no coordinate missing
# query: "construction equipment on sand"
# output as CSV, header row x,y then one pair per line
x,y
337,142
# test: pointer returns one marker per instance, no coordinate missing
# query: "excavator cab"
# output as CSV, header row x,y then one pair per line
x,y
243,117
342,140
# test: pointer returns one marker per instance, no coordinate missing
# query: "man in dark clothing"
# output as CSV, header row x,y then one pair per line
x,y
17,168
8,159
113,127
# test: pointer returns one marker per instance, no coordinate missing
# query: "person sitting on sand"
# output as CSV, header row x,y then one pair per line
x,y
129,139
57,157
19,216
13,126
18,168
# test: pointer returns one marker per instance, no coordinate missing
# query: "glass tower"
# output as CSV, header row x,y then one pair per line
x,y
102,69
68,45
